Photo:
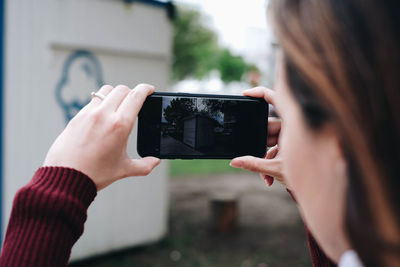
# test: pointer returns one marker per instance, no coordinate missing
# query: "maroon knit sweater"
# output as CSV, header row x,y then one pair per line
x,y
48,215
47,218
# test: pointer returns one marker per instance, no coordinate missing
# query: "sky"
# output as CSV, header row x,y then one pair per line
x,y
242,26
236,21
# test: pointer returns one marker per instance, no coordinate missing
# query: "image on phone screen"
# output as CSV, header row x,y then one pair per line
x,y
196,126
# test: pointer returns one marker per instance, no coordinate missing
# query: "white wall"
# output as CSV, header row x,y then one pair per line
x,y
132,44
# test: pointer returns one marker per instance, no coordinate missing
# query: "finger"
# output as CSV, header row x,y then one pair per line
x,y
274,128
281,180
133,102
268,179
272,152
115,97
271,167
141,167
104,90
272,141
267,94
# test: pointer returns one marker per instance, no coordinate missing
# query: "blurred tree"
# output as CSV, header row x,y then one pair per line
x,y
195,46
196,51
231,67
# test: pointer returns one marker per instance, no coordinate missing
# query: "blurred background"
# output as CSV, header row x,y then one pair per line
x,y
187,212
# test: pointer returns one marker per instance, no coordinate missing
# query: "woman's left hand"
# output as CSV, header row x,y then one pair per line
x,y
95,140
269,167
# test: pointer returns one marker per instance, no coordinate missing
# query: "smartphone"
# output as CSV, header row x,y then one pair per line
x,y
202,126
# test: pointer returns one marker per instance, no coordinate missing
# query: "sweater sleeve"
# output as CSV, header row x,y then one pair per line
x,y
47,218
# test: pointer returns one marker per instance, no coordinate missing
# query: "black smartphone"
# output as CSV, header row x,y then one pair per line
x,y
202,126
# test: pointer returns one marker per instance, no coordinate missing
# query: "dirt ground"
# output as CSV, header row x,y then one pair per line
x,y
269,233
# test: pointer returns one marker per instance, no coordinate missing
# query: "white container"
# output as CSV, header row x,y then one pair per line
x,y
56,53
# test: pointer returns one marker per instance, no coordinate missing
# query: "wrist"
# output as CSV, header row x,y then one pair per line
x,y
67,181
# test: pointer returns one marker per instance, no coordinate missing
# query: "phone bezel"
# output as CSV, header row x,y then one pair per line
x,y
140,133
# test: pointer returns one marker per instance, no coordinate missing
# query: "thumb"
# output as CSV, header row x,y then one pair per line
x,y
271,167
142,167
272,153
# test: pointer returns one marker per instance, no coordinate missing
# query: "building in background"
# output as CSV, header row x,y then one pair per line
x,y
54,54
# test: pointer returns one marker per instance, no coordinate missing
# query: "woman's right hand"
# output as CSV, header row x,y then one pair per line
x,y
269,167
95,140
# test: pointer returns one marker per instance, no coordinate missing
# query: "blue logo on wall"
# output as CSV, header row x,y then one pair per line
x,y
84,64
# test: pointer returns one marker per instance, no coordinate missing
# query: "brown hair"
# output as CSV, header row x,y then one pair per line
x,y
341,62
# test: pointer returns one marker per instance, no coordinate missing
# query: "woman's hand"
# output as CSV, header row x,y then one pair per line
x,y
95,140
269,167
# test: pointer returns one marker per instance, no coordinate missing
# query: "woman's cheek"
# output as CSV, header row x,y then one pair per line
x,y
286,150
294,156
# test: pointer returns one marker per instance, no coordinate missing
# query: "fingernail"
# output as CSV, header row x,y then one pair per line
x,y
236,163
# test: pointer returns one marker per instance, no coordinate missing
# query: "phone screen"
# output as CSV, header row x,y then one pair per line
x,y
202,127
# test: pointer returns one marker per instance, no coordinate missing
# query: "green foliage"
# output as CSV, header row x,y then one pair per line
x,y
194,47
231,67
183,168
196,52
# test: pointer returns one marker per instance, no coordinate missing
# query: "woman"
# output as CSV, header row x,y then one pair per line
x,y
338,96
339,144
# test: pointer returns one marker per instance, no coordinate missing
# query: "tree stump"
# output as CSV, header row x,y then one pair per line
x,y
224,214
